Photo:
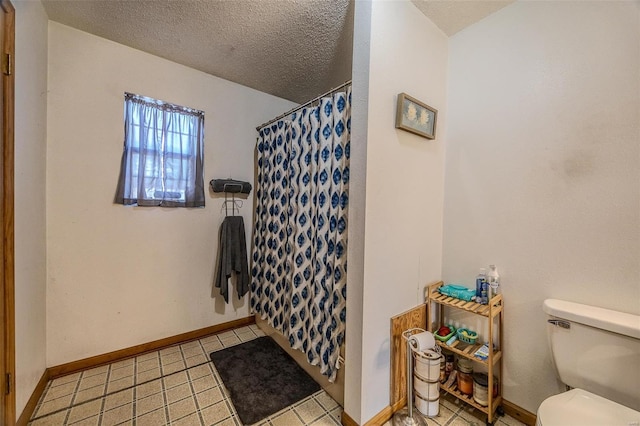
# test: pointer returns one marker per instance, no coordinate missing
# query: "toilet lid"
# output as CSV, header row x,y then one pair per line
x,y
579,407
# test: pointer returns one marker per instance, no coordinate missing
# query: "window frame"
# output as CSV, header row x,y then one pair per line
x,y
191,177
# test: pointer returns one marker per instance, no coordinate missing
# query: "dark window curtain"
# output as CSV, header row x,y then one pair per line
x,y
163,154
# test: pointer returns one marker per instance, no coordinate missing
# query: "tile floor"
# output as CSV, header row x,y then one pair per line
x,y
455,413
180,386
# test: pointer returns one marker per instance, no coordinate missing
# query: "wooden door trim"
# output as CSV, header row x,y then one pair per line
x,y
7,214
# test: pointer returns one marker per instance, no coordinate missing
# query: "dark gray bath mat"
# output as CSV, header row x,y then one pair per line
x,y
262,378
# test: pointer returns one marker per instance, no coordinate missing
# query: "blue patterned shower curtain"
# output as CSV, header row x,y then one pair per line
x,y
299,248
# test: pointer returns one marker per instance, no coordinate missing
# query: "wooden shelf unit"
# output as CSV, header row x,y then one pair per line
x,y
493,363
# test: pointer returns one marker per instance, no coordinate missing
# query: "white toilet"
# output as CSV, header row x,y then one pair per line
x,y
596,352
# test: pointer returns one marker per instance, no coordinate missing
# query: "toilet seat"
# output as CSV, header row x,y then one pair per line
x,y
579,407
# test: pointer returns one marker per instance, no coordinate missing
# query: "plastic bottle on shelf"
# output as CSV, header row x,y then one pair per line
x,y
484,294
493,279
480,278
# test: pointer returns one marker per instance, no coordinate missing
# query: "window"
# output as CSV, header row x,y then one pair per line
x,y
162,157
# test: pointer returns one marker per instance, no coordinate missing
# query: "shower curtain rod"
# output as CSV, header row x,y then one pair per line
x,y
346,83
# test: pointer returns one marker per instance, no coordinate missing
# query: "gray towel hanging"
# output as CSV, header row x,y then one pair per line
x,y
232,257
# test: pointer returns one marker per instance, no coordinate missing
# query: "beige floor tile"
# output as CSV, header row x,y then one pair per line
x,y
244,330
336,413
215,413
117,415
230,421
325,420
91,421
120,384
88,394
204,383
124,363
469,413
209,397
94,371
59,391
147,365
212,347
52,420
226,335
288,418
148,388
192,351
145,376
169,350
173,367
325,400
147,356
309,410
190,420
190,345
444,416
93,381
65,379
230,341
178,393
451,403
180,409
117,399
247,337
121,373
149,403
209,339
86,410
459,421
54,405
199,371
196,360
154,418
175,379
170,358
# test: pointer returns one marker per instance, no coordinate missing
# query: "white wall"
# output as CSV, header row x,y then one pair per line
x,y
404,184
542,173
30,222
119,276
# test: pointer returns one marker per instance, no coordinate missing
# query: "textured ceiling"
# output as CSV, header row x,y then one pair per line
x,y
294,49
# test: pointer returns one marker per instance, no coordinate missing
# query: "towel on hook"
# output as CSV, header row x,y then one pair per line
x,y
232,257
230,185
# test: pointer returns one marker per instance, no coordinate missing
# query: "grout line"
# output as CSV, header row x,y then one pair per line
x,y
133,392
295,413
214,340
104,399
75,393
193,394
106,394
163,392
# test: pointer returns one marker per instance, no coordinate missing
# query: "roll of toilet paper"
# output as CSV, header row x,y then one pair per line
x,y
422,341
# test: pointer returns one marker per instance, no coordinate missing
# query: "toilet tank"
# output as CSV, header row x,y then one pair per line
x,y
596,349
